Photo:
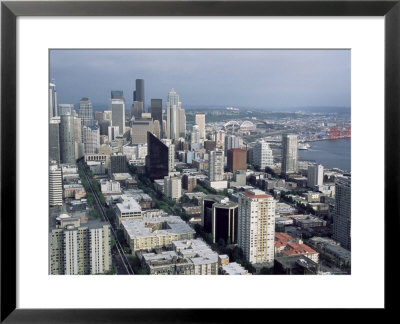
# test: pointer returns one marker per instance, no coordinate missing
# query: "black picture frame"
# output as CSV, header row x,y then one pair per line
x,y
10,10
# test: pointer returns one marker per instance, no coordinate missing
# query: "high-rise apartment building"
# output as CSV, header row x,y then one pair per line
x,y
157,112
79,249
53,107
220,138
173,187
289,153
237,159
54,139
200,119
342,212
85,112
118,114
315,175
91,139
262,155
216,166
55,185
256,226
67,139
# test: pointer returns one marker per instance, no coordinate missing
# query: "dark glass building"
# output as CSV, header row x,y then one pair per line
x,y
157,158
138,95
220,218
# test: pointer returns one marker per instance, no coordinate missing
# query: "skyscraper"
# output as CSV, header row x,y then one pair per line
x,y
315,175
113,133
200,119
79,249
289,153
55,185
91,139
176,117
157,112
53,107
173,187
140,127
157,166
256,223
342,212
262,155
85,112
118,114
216,166
67,139
195,137
117,94
54,139
237,159
137,109
65,109
138,95
232,141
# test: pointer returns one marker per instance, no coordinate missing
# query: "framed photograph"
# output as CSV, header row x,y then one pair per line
x,y
154,137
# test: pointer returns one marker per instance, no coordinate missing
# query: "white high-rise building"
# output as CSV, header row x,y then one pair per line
x,y
216,165
200,119
289,153
256,226
195,137
220,138
171,154
91,139
53,106
176,117
315,175
118,114
342,212
113,132
79,249
173,187
262,155
55,185
99,249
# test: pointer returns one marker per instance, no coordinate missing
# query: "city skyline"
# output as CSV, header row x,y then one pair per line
x,y
269,79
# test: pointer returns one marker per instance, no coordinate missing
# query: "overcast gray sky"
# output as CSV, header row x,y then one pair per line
x,y
268,79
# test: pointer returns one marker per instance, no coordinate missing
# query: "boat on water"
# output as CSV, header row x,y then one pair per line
x,y
303,146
